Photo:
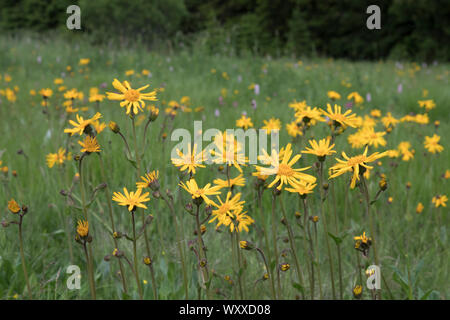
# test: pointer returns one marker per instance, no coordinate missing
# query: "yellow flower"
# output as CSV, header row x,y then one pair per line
x,y
283,170
196,192
298,106
375,113
84,62
82,228
244,122
293,129
440,201
243,221
89,145
362,238
132,199
404,148
13,206
419,208
81,125
285,267
226,210
307,114
357,291
357,164
148,180
321,149
272,125
238,181
389,120
346,119
96,97
356,97
190,160
333,95
228,150
57,158
447,174
98,126
46,93
58,81
432,144
302,188
427,104
71,94
372,138
132,98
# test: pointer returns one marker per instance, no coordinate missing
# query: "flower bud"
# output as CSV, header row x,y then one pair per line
x,y
114,127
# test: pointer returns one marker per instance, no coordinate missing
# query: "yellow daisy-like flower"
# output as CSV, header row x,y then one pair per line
x,y
432,144
346,119
98,126
244,122
404,148
71,94
272,124
298,106
148,179
82,124
238,181
362,238
376,113
302,188
283,170
89,145
228,151
226,210
46,93
372,138
333,95
57,158
190,160
293,129
96,97
133,99
439,201
321,149
427,104
389,120
309,114
196,192
13,206
356,97
357,164
419,208
243,221
133,199
82,228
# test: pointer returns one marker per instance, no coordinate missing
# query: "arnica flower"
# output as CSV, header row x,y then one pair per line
x,y
89,145
283,170
376,113
132,199
82,228
372,138
272,124
404,149
227,150
309,115
149,180
133,99
96,97
333,95
298,106
71,94
46,93
356,97
196,192
427,104
244,122
389,121
321,149
238,181
293,129
439,201
302,188
227,210
357,164
190,161
419,208
57,158
13,206
432,144
242,222
346,119
98,126
82,124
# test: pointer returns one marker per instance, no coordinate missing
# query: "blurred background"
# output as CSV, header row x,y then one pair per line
x,y
411,29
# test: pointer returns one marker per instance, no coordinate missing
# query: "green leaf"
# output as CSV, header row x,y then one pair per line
x,y
336,239
299,287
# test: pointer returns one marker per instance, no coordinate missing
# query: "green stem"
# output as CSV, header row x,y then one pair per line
x,y
22,256
136,269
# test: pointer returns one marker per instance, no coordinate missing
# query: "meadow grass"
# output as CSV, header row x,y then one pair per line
x,y
412,247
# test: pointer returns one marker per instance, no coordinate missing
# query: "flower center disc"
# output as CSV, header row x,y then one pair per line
x,y
285,170
132,95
